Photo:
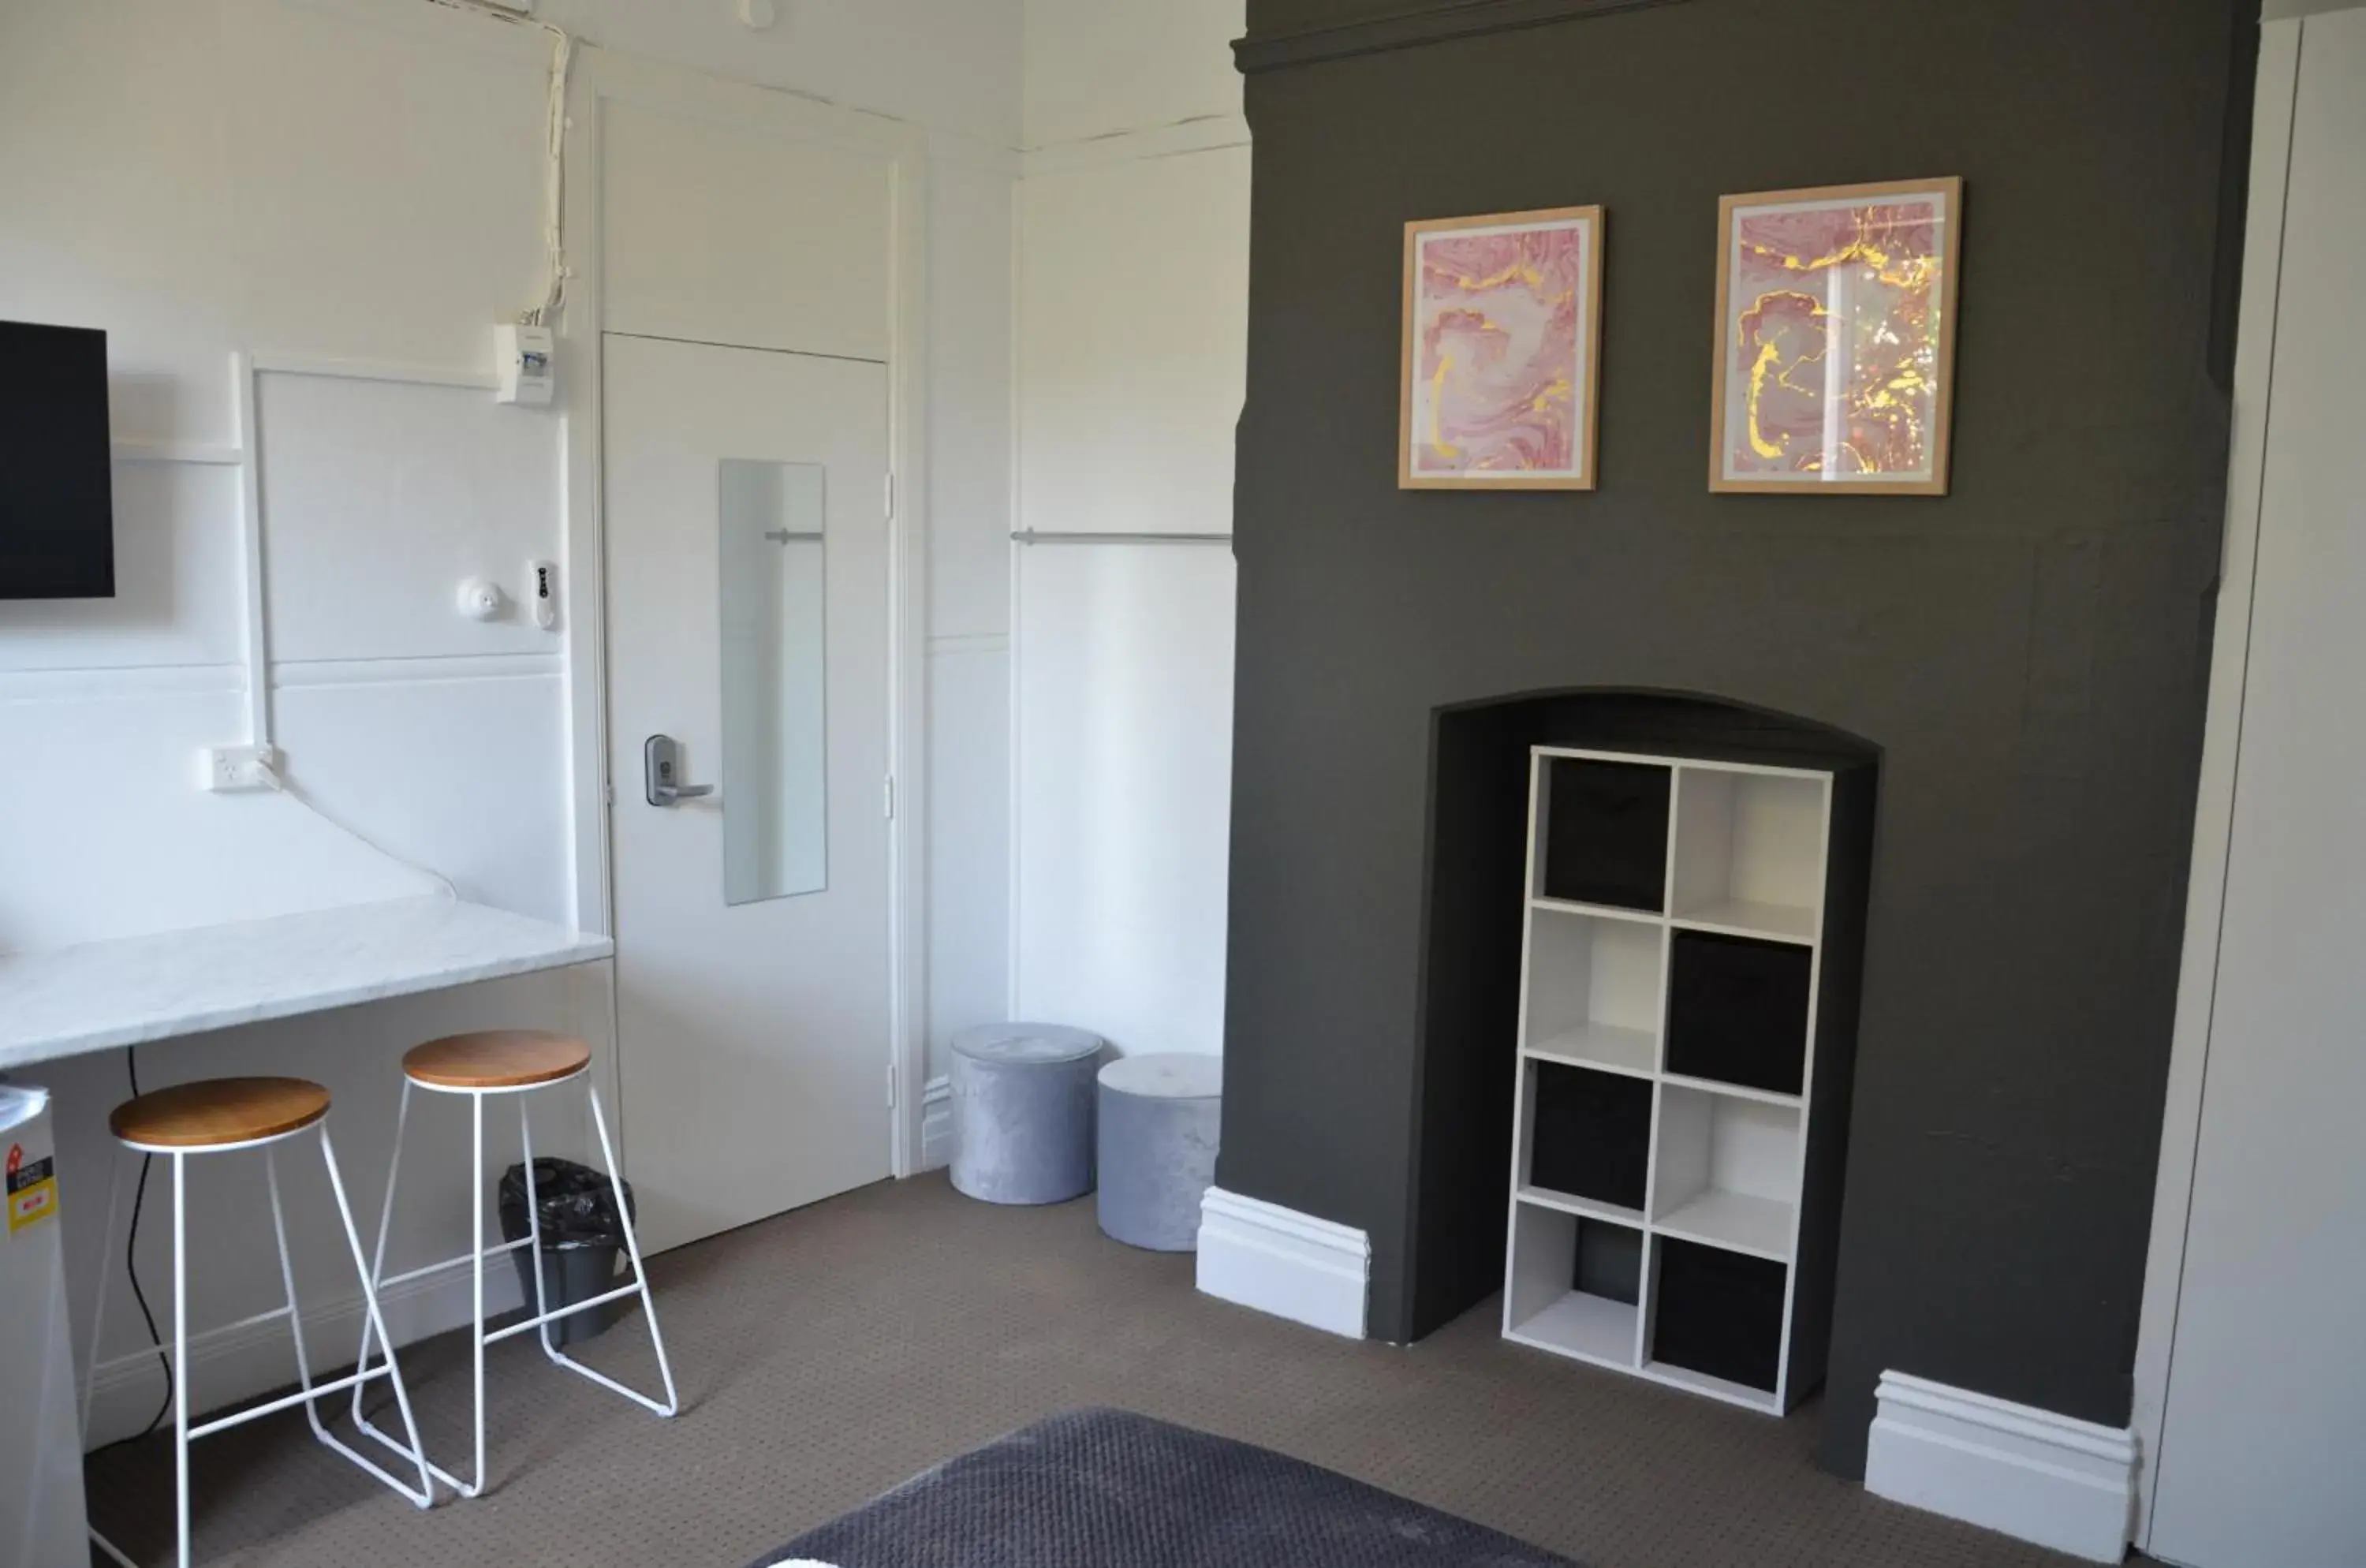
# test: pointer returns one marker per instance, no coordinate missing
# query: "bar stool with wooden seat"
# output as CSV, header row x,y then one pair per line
x,y
513,1062
224,1116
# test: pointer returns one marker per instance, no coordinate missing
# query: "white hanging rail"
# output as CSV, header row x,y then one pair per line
x,y
1061,536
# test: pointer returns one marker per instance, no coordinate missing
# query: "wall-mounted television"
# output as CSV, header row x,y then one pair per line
x,y
57,505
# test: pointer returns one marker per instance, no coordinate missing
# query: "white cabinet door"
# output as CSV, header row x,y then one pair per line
x,y
747,540
2264,1435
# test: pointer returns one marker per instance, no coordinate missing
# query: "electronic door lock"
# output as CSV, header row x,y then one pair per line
x,y
661,773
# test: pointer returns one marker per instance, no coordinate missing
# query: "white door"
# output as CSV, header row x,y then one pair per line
x,y
747,538
2262,1459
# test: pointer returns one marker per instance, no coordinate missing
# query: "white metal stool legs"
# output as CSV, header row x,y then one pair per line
x,y
543,1315
640,1285
307,1393
476,1257
372,1311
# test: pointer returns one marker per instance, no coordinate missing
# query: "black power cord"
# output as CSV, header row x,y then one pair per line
x,y
132,1267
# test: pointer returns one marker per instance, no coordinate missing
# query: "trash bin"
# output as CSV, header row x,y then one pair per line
x,y
582,1235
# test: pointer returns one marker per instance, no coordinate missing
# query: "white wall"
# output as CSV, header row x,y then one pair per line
x,y
2250,1384
1132,323
1094,67
195,179
949,64
969,589
363,179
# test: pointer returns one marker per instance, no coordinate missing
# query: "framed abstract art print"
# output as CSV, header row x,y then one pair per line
x,y
1836,339
1503,332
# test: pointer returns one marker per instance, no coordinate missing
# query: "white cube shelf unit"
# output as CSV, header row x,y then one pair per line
x,y
1688,1019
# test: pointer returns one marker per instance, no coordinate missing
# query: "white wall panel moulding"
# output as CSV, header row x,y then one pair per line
x,y
1277,1261
2028,1472
100,684
163,449
937,1124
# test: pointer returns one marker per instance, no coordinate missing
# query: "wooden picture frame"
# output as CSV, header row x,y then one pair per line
x,y
1890,430
1530,423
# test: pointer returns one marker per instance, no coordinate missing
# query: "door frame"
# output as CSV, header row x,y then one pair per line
x,y
601,77
2214,811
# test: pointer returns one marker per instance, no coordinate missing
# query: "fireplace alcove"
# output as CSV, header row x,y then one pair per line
x,y
1475,893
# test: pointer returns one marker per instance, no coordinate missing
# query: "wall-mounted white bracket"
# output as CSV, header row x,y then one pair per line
x,y
234,770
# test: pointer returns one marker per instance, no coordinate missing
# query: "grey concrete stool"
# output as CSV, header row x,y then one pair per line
x,y
1023,1112
1160,1116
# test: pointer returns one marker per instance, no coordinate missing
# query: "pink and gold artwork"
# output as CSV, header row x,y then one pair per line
x,y
1836,316
1502,328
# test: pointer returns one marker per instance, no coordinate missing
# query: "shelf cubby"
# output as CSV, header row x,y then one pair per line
x,y
1594,990
1727,1171
1587,1135
1738,1009
1750,851
1602,836
1717,1321
1680,1117
1575,1284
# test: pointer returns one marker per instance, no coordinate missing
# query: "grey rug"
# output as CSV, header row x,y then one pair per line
x,y
1094,1488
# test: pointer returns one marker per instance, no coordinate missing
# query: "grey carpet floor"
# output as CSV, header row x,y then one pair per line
x,y
827,1355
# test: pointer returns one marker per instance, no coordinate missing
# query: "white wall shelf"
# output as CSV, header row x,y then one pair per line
x,y
1595,996
1768,922
1718,1282
1553,1306
1749,851
1735,1221
1604,1046
1711,1384
1735,1090
1605,911
1584,1208
1594,1328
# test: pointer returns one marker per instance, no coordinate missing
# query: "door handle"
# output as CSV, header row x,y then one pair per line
x,y
661,773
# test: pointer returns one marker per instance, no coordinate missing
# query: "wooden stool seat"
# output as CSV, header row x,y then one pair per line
x,y
496,1058
212,1113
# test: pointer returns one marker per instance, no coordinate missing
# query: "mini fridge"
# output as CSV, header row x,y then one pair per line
x,y
41,1520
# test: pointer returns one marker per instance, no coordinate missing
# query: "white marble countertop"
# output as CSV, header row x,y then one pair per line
x,y
104,994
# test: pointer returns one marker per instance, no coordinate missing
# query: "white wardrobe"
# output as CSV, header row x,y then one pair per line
x,y
2252,1375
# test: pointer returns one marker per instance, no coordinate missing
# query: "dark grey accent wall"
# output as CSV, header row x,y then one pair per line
x,y
2028,653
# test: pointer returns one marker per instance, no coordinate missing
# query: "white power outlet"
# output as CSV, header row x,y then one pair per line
x,y
228,768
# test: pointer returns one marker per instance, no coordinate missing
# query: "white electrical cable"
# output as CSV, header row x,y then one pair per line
x,y
271,776
562,55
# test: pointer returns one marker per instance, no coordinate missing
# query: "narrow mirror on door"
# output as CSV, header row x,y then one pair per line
x,y
774,553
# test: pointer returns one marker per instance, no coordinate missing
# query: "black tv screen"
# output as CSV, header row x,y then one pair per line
x,y
57,506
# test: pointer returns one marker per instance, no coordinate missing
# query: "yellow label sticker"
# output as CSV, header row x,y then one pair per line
x,y
32,1205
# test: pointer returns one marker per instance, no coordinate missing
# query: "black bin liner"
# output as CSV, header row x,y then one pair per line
x,y
582,1234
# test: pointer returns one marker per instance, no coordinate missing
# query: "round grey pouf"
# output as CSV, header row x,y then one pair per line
x,y
1159,1119
1023,1112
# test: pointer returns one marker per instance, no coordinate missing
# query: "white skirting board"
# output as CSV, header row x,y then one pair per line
x,y
2028,1472
1277,1261
260,1358
937,1124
